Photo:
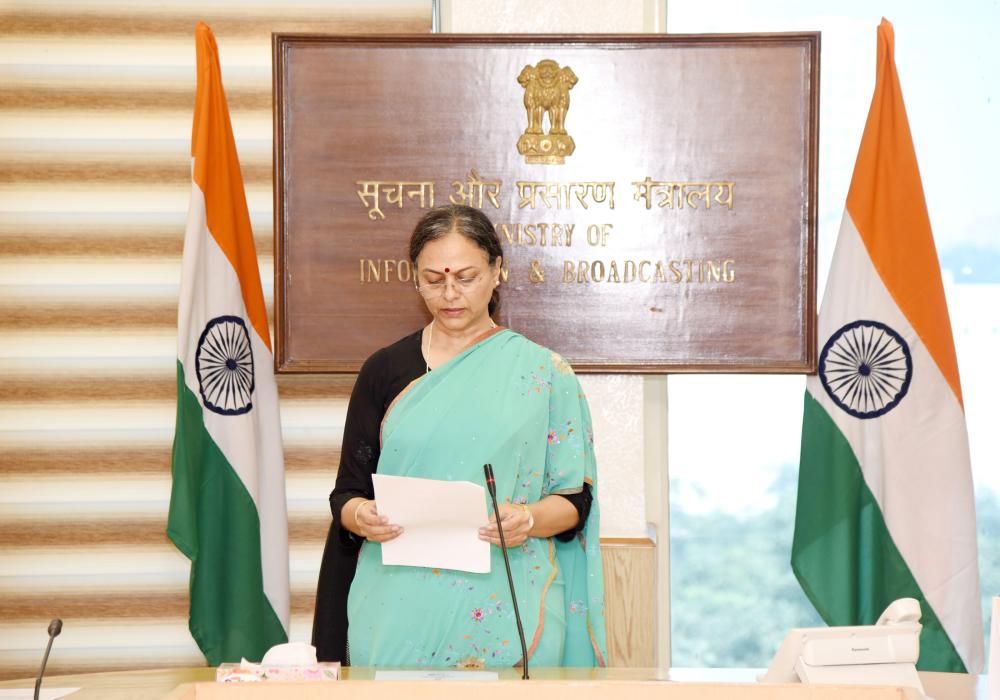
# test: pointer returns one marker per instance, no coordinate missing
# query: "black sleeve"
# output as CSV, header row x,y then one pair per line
x,y
581,501
358,458
359,448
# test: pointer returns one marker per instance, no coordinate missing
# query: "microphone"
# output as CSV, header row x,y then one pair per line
x,y
491,486
55,627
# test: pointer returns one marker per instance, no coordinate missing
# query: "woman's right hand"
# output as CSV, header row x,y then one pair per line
x,y
372,526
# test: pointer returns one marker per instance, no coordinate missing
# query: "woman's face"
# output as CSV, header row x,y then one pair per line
x,y
456,281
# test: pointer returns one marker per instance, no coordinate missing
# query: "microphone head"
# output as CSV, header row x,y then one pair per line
x,y
490,483
55,627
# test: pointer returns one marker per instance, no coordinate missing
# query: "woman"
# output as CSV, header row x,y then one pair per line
x,y
439,404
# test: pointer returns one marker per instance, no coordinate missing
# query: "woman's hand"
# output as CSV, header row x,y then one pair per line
x,y
372,526
517,522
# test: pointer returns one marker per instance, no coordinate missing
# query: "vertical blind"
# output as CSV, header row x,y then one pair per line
x,y
95,119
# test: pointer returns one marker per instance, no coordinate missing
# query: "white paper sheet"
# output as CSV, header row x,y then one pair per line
x,y
440,520
29,693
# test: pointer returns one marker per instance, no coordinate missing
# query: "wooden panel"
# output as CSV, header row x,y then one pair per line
x,y
151,459
107,236
35,533
162,385
107,171
722,278
630,602
119,606
142,21
48,98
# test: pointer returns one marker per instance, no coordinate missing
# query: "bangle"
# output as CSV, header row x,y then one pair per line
x,y
357,523
531,518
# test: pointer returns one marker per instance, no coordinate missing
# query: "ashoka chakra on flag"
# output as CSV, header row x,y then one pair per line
x,y
224,363
866,368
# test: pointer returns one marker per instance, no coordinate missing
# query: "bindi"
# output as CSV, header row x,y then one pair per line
x,y
447,269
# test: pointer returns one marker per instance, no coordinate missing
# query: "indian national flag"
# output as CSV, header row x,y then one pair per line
x,y
885,505
227,505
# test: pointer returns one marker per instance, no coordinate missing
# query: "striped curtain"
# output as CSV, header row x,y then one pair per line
x,y
95,122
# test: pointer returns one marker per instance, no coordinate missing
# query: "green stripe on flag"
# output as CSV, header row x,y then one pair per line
x,y
214,522
842,553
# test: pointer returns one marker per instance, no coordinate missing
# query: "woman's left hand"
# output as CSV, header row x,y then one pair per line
x,y
516,526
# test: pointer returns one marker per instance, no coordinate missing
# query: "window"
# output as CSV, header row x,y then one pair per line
x,y
733,496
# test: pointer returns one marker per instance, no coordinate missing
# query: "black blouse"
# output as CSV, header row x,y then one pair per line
x,y
383,376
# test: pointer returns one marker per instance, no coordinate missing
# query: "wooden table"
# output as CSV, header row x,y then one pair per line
x,y
547,683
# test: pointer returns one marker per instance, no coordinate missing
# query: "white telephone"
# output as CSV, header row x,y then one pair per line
x,y
881,654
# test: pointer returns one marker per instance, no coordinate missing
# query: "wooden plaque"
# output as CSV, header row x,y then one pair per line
x,y
655,194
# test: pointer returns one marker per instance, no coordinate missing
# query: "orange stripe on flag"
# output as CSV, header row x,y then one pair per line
x,y
217,173
886,204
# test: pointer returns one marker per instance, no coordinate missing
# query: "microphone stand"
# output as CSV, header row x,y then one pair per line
x,y
491,486
55,627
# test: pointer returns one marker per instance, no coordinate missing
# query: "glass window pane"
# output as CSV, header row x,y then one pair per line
x,y
734,440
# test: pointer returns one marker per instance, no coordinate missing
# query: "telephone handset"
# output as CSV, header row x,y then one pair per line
x,y
899,612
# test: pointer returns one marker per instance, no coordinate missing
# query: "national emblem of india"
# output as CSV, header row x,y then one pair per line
x,y
546,91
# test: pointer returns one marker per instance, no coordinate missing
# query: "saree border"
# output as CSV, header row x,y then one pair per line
x,y
545,591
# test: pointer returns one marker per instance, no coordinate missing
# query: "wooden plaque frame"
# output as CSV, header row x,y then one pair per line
x,y
671,120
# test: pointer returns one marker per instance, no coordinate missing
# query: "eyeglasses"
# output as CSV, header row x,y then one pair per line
x,y
463,285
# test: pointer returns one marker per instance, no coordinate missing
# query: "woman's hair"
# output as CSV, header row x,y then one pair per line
x,y
469,222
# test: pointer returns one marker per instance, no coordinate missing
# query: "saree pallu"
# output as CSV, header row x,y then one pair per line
x,y
518,406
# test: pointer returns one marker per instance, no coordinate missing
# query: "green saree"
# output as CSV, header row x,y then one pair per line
x,y
516,405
